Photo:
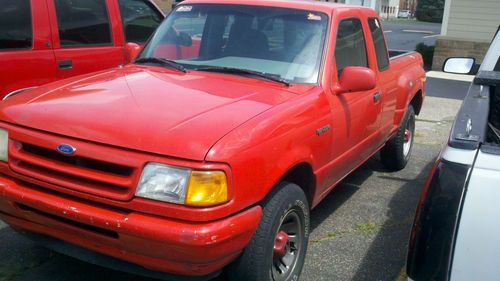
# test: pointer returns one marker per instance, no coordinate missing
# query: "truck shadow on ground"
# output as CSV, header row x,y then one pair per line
x,y
344,190
386,257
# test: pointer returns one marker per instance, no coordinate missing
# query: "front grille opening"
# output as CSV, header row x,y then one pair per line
x,y
90,228
70,180
78,161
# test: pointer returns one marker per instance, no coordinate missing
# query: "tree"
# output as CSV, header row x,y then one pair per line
x,y
430,10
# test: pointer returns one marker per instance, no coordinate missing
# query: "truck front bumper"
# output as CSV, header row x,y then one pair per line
x,y
153,242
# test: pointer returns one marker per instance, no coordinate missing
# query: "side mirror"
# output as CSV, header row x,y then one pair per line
x,y
459,65
131,51
356,79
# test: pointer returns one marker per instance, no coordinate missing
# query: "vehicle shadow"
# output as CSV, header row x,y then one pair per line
x,y
344,190
386,256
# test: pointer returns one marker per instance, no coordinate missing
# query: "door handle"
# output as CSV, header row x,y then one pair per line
x,y
376,97
65,64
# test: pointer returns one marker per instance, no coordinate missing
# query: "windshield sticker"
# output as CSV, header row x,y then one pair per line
x,y
184,9
312,16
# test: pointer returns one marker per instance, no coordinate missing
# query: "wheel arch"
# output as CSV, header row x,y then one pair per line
x,y
417,101
300,174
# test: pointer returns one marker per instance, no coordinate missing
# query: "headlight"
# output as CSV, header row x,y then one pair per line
x,y
183,186
4,145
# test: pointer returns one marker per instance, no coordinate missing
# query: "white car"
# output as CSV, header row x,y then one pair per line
x,y
404,14
456,232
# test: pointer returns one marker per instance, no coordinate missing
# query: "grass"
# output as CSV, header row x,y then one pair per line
x,y
332,234
366,227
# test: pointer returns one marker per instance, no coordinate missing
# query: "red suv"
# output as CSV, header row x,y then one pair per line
x,y
45,40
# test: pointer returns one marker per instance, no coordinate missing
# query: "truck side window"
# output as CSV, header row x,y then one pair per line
x,y
379,43
15,25
139,19
350,48
83,22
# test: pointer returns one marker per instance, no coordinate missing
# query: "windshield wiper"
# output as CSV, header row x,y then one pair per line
x,y
161,61
230,70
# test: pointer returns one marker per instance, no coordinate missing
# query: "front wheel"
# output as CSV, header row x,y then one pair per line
x,y
397,151
278,248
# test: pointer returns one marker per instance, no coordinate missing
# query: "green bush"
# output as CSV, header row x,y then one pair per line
x,y
430,10
427,53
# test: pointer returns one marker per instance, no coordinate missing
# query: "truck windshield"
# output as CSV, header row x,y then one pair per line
x,y
285,43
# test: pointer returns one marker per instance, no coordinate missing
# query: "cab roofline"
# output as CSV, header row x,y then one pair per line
x,y
326,7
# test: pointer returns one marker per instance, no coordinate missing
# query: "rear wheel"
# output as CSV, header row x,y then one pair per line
x,y
397,151
278,248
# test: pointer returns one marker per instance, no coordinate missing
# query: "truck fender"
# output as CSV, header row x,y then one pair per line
x,y
408,89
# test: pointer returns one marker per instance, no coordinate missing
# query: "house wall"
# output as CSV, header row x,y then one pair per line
x,y
467,30
165,5
473,20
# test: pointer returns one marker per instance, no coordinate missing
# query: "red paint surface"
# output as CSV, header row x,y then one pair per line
x,y
254,130
30,68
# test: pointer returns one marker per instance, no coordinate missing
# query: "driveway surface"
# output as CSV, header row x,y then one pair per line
x,y
359,232
405,35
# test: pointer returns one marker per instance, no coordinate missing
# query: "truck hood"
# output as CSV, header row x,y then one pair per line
x,y
149,109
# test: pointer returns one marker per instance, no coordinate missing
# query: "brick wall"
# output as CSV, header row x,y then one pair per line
x,y
450,47
165,5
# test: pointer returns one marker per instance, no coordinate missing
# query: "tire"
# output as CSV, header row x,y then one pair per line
x,y
397,151
264,259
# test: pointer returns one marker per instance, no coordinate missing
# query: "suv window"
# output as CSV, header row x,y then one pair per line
x,y
379,43
15,25
83,22
350,48
139,19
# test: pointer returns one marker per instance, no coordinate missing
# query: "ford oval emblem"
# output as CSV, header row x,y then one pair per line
x,y
66,149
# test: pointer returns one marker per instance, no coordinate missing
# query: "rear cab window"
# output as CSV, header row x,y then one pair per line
x,y
83,23
379,43
140,19
350,46
16,30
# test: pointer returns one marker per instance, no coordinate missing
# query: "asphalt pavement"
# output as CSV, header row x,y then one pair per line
x,y
359,232
406,34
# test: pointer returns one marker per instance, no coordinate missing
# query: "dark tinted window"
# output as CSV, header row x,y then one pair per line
x,y
83,22
350,48
15,24
497,67
379,43
139,19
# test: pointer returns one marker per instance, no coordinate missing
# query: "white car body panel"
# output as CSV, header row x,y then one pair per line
x,y
477,248
461,156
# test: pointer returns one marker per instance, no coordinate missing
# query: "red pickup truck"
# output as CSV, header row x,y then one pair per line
x,y
45,40
210,149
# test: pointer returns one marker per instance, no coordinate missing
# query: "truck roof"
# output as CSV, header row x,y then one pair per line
x,y
326,7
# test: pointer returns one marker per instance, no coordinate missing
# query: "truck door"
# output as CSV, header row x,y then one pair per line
x,y
26,55
388,84
87,36
354,115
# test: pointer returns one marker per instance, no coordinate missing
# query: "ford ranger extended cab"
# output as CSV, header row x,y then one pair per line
x,y
210,149
42,41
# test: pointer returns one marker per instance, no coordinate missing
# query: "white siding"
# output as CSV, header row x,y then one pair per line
x,y
473,20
